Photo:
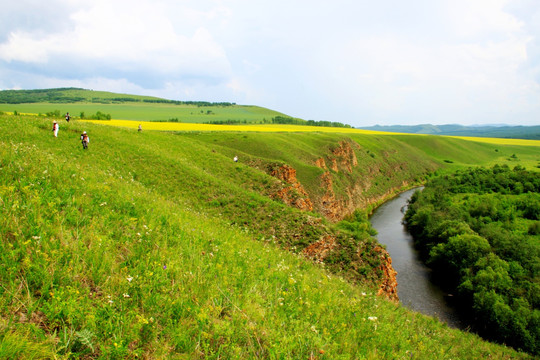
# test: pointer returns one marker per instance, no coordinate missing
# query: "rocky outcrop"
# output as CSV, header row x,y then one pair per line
x,y
319,250
292,192
388,285
320,163
340,159
344,155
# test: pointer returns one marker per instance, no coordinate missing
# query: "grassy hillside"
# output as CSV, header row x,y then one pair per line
x,y
158,245
130,107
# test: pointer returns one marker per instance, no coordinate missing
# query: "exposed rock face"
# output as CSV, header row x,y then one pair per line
x,y
341,159
319,250
388,286
330,207
345,155
320,163
293,193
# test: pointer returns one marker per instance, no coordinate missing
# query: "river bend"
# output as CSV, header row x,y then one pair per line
x,y
415,290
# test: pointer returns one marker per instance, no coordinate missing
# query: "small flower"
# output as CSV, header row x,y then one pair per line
x,y
372,318
129,278
126,295
36,237
164,267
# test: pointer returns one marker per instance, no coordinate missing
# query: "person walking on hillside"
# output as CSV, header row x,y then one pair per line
x,y
140,128
85,140
68,117
55,129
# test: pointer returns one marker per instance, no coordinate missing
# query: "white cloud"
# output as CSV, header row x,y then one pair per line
x,y
357,61
125,37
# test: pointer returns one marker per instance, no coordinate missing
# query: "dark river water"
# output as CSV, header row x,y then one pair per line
x,y
415,289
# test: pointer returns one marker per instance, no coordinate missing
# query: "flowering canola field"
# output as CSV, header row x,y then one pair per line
x,y
172,126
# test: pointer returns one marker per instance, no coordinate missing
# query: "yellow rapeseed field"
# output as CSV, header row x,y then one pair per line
x,y
171,126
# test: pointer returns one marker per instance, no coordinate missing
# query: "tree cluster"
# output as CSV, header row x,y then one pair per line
x,y
196,103
40,95
295,121
479,230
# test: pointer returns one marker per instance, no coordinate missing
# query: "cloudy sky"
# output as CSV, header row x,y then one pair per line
x,y
355,61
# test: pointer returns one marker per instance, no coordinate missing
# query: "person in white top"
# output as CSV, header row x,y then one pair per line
x,y
85,140
55,129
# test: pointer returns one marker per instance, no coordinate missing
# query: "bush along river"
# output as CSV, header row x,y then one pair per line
x,y
415,289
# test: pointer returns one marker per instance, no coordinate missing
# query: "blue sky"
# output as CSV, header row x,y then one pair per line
x,y
354,61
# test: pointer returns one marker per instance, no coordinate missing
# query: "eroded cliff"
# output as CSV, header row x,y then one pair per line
x,y
343,161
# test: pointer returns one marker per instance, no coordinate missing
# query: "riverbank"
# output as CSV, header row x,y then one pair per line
x,y
415,289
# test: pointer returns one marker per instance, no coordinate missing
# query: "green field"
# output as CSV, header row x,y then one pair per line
x,y
152,112
158,245
128,107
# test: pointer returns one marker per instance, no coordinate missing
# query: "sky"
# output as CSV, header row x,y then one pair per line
x,y
358,62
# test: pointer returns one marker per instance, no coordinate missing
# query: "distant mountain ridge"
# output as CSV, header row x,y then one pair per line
x,y
496,131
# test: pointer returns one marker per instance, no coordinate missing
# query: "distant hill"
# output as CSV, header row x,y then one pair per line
x,y
90,104
82,103
73,95
510,132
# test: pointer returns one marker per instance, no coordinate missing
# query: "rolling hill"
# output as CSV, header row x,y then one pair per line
x,y
129,107
157,245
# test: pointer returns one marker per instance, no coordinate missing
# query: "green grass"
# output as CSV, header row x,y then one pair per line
x,y
141,247
152,112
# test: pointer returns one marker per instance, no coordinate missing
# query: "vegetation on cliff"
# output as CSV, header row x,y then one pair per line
x,y
480,231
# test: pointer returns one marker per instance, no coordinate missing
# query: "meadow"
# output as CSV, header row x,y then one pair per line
x,y
151,112
134,248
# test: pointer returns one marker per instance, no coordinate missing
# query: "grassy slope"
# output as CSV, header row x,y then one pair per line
x,y
76,226
135,109
152,112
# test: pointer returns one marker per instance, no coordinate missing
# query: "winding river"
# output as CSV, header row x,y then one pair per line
x,y
415,290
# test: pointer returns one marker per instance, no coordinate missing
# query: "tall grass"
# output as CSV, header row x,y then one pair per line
x,y
99,260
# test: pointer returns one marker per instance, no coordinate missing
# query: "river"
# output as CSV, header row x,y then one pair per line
x,y
415,290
